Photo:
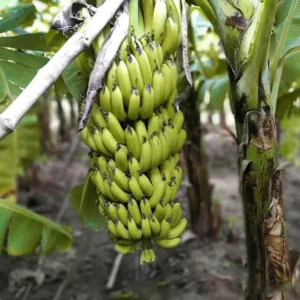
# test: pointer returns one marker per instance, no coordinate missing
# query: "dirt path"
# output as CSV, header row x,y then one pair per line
x,y
196,270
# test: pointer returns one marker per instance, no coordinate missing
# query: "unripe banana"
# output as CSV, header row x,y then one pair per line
x,y
132,142
148,8
98,116
158,193
134,232
158,87
87,137
123,51
148,102
171,38
111,164
111,77
171,106
105,99
178,120
97,136
98,42
167,74
135,74
160,211
172,137
165,151
168,194
164,229
134,167
134,105
120,241
169,211
146,154
118,194
125,249
152,255
164,116
175,13
107,186
153,123
155,177
159,20
135,189
178,229
109,141
145,225
144,64
156,150
122,231
117,104
145,207
166,168
122,157
176,214
180,140
141,130
124,81
152,55
120,178
122,214
112,211
134,211
167,243
174,72
111,226
159,53
145,185
115,128
155,225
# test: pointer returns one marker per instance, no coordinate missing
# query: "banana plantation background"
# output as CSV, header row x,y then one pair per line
x,y
237,77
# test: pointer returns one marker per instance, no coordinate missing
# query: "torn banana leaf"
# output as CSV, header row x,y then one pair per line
x,y
22,231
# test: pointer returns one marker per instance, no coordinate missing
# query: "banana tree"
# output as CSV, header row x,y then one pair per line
x,y
257,36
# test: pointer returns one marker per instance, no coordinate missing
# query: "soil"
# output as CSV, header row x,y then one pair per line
x,y
197,269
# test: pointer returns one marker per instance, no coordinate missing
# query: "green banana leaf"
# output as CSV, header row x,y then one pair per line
x,y
83,200
25,230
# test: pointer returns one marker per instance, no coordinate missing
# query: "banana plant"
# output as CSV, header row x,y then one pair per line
x,y
258,37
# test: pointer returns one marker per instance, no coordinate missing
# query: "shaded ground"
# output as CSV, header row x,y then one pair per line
x,y
194,270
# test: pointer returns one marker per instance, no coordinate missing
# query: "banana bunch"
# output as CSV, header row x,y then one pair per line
x,y
135,134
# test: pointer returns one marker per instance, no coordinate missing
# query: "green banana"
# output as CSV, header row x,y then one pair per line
x,y
120,178
122,214
97,136
112,211
108,140
148,8
124,81
145,207
170,62
121,230
111,226
118,194
159,20
153,123
164,229
178,120
135,189
121,158
125,249
155,225
158,87
146,154
115,128
134,167
178,229
155,177
134,232
141,130
160,211
145,225
156,150
148,102
168,193
105,99
111,77
98,181
167,74
170,42
123,51
152,55
87,137
97,116
134,105
134,211
165,151
146,185
117,104
158,193
135,74
132,142
180,140
176,214
167,243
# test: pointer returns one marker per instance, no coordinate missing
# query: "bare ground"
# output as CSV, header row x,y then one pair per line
x,y
211,270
